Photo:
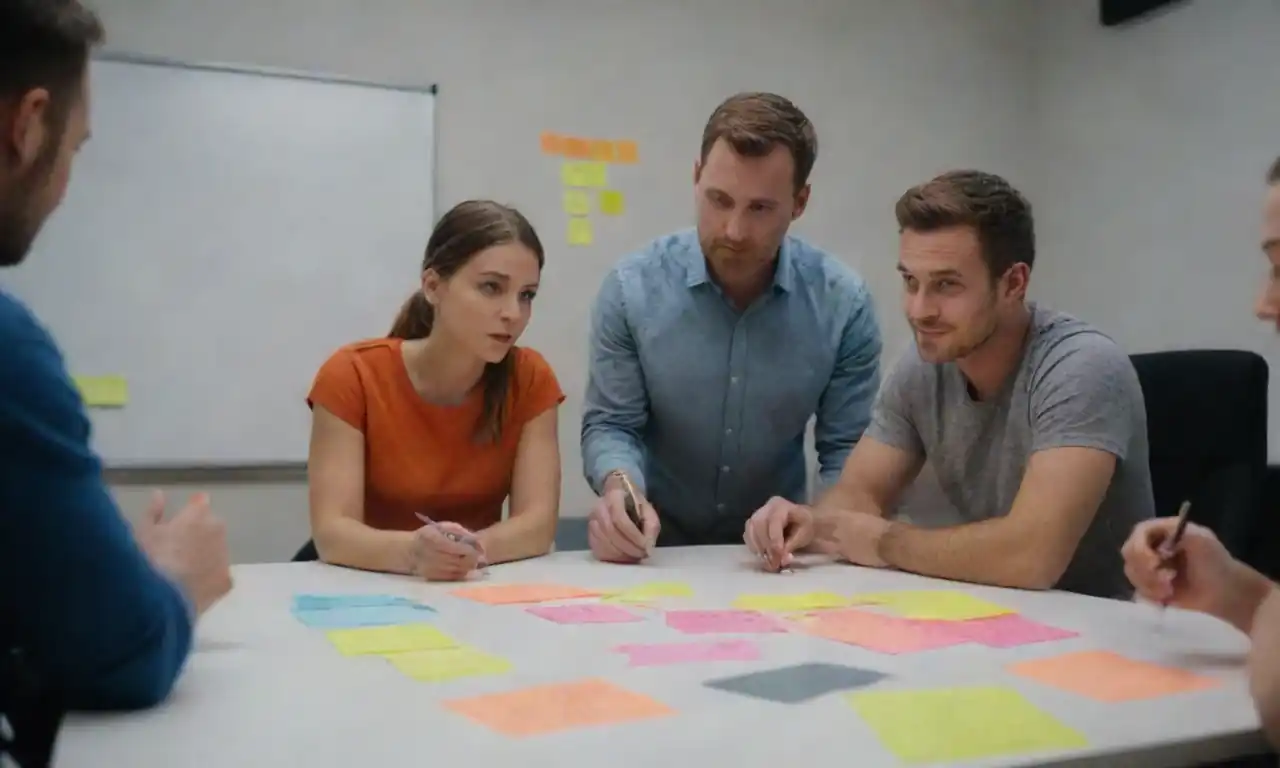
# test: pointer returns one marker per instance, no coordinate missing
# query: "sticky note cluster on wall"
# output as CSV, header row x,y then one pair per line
x,y
103,391
584,176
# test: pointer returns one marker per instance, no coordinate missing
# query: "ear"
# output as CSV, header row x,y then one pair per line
x,y
431,285
697,170
802,201
25,135
1017,280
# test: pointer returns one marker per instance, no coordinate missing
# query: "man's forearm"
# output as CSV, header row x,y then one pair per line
x,y
846,497
987,552
604,450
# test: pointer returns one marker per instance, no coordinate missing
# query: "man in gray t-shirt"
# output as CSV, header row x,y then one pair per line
x,y
1032,422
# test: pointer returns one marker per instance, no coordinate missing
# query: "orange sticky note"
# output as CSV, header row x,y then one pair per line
x,y
1110,677
508,594
579,149
602,150
885,634
552,143
558,707
626,152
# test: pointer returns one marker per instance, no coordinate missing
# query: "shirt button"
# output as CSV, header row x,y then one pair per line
x,y
725,468
729,431
733,379
719,507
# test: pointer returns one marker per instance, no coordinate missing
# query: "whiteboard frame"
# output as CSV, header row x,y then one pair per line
x,y
291,471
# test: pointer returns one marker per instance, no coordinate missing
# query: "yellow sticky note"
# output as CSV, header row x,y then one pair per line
x,y
810,601
612,202
947,725
646,593
398,638
448,663
103,391
580,231
578,173
577,202
938,604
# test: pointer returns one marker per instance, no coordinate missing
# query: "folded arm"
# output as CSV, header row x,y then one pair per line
x,y
845,407
873,479
616,405
530,528
1264,656
335,470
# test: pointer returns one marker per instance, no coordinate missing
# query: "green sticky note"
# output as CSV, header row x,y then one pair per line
x,y
399,638
612,203
584,173
952,724
576,202
103,391
647,593
936,604
580,231
810,601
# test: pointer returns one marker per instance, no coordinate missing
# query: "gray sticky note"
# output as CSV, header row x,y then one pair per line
x,y
792,685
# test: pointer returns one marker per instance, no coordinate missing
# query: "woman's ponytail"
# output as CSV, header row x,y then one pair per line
x,y
415,319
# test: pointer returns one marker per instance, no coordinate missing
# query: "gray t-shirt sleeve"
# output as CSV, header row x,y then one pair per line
x,y
1082,395
892,417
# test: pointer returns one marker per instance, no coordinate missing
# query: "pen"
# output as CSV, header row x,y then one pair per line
x,y
630,504
451,536
1170,547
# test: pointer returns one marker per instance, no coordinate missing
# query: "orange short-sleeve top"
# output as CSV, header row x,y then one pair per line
x,y
421,457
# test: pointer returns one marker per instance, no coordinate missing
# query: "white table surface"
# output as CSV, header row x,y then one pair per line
x,y
261,689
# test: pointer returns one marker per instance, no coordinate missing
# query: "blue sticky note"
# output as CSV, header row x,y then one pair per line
x,y
364,616
327,602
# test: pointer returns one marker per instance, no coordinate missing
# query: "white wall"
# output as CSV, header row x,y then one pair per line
x,y
1151,146
898,89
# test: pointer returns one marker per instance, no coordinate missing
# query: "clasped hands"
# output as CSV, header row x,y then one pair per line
x,y
781,528
445,552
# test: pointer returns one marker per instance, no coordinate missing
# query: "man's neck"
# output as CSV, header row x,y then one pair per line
x,y
743,289
989,366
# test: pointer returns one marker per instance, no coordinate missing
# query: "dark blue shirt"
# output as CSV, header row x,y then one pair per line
x,y
101,628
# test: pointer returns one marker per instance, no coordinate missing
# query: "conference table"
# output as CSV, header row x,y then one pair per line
x,y
262,688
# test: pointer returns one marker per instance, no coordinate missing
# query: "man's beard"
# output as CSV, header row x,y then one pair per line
x,y
19,223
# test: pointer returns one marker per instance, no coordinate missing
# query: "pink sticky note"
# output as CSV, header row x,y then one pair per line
x,y
706,622
885,634
589,613
1008,630
677,653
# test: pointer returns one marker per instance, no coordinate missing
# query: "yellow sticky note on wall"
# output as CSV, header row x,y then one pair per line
x,y
612,203
103,391
577,202
580,231
576,173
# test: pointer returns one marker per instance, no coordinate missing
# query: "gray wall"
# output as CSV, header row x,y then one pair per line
x,y
899,90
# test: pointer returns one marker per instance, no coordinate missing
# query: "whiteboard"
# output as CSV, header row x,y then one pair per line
x,y
224,232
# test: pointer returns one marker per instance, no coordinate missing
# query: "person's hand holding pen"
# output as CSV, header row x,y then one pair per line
x,y
445,551
1194,572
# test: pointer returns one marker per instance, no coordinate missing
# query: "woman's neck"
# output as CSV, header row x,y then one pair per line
x,y
441,372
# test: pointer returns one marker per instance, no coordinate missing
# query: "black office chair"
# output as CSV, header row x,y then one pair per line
x,y
1207,428
307,554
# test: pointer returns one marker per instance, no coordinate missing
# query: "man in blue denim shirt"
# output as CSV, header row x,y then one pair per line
x,y
712,349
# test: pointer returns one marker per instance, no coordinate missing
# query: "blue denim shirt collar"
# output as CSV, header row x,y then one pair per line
x,y
696,266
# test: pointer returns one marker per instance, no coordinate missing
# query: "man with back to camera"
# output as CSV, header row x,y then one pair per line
x,y
712,348
1201,575
1033,421
92,616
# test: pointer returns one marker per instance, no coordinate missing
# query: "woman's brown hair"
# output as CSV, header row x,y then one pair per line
x,y
467,229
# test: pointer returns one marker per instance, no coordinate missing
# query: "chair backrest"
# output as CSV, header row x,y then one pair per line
x,y
571,534
1207,429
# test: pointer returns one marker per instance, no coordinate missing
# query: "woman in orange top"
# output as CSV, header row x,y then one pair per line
x,y
445,418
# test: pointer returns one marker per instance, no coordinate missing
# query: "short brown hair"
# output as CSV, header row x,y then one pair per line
x,y
1273,175
45,44
754,123
999,214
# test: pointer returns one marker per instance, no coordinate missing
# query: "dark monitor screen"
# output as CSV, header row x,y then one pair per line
x,y
1116,12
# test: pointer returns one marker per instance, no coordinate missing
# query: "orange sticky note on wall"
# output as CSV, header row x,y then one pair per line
x,y
626,152
552,143
602,150
576,148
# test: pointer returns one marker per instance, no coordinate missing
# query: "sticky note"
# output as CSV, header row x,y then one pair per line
x,y
571,146
1110,677
558,707
730,622
448,663
656,654
625,152
325,602
612,202
794,684
1007,631
577,202
552,143
941,604
584,174
947,725
579,232
364,616
808,601
508,594
650,592
602,150
103,391
384,640
586,613
883,634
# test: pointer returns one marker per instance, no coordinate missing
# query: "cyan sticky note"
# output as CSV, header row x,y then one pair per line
x,y
324,602
370,616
